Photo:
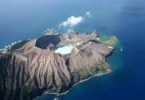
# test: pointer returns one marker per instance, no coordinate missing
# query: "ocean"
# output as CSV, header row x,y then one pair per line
x,y
27,19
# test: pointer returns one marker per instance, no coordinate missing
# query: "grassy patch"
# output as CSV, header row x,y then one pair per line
x,y
109,40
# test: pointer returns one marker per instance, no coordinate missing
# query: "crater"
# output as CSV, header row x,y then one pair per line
x,y
48,42
53,63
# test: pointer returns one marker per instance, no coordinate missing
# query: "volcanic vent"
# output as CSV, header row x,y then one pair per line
x,y
53,63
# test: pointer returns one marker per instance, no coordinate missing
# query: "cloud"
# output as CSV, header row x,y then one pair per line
x,y
89,14
72,21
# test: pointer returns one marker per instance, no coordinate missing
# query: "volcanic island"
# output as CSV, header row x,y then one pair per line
x,y
53,62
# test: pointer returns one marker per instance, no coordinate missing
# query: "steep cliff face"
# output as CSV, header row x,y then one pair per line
x,y
88,59
32,67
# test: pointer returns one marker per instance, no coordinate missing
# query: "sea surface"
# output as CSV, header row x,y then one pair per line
x,y
27,19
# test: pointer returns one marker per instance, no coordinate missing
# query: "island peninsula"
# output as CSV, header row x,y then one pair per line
x,y
53,62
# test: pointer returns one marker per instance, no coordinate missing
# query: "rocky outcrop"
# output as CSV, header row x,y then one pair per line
x,y
31,67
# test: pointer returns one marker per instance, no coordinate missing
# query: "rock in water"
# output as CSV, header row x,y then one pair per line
x,y
31,67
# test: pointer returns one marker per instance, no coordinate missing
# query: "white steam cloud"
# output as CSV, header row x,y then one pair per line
x,y
72,21
89,14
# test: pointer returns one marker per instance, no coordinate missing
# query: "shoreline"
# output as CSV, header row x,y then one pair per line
x,y
77,83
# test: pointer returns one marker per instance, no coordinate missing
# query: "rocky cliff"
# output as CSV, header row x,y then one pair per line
x,y
31,67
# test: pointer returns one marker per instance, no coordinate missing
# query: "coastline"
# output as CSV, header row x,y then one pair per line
x,y
77,83
40,45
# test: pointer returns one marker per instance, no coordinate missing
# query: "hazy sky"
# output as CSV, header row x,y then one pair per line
x,y
27,18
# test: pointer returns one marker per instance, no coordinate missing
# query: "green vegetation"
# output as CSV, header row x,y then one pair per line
x,y
18,45
109,40
59,83
26,90
103,66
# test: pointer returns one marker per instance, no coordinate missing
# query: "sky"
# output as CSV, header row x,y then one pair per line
x,y
22,19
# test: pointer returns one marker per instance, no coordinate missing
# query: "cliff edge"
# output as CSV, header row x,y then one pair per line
x,y
30,67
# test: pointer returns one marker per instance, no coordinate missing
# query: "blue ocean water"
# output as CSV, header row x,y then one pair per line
x,y
23,19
